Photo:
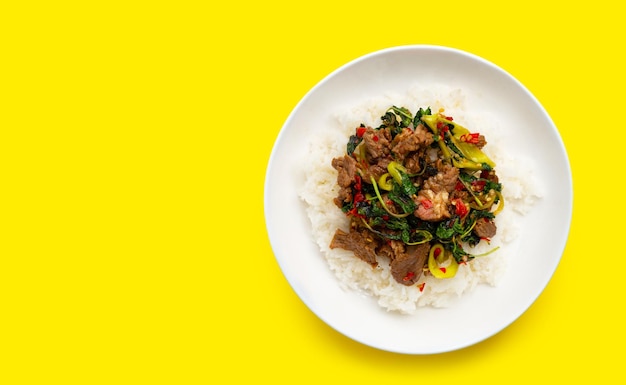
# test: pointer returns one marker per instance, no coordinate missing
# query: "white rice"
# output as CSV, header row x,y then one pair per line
x,y
321,188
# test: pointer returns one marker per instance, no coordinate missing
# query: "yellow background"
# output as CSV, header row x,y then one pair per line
x,y
134,143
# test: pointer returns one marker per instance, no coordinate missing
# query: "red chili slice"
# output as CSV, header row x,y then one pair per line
x,y
460,208
470,138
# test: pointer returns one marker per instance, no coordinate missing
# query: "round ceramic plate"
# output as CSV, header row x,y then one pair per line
x,y
484,311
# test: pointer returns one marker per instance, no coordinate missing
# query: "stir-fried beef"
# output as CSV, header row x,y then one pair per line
x,y
343,196
425,136
375,170
445,180
432,206
404,194
346,168
409,141
407,266
362,243
376,143
485,228
413,162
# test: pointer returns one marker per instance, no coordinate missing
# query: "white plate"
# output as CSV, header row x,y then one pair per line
x,y
486,310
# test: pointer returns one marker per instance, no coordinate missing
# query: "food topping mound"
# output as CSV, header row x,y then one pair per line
x,y
418,190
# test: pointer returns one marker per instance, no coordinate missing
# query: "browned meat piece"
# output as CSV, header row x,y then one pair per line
x,y
410,140
343,196
346,169
397,248
376,143
445,180
432,206
485,228
362,243
384,249
405,143
406,267
426,137
412,162
374,170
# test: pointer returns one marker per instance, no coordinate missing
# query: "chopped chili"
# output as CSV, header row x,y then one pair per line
x,y
443,128
470,138
358,183
460,208
355,213
478,185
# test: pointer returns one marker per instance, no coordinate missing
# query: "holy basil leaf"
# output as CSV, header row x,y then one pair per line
x,y
353,143
419,114
389,120
444,231
467,178
477,214
491,185
406,203
459,254
372,210
404,115
408,187
471,238
449,228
